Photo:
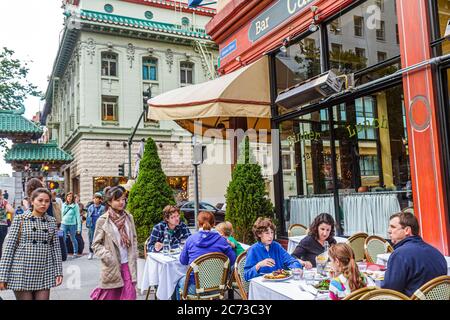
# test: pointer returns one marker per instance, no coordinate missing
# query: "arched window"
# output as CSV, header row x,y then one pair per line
x,y
149,69
109,64
186,73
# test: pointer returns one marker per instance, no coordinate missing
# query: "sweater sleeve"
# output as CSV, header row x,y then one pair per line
x,y
10,249
287,260
396,273
78,217
250,265
155,237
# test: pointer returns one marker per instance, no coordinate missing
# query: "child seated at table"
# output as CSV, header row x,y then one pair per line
x,y
226,230
347,277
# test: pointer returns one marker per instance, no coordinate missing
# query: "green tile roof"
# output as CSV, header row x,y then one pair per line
x,y
14,123
37,152
141,24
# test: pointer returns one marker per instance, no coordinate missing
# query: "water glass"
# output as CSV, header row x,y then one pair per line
x,y
298,273
309,277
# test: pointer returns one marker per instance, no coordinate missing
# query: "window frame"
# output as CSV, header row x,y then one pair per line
x,y
115,108
109,62
189,66
151,62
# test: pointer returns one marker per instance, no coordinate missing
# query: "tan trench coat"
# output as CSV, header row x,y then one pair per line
x,y
106,247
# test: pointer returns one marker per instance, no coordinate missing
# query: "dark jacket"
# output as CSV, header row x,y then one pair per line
x,y
204,242
309,248
412,264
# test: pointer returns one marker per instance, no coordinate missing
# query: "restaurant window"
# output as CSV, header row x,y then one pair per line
x,y
150,69
371,162
299,62
369,165
381,32
186,73
179,186
342,54
100,183
110,108
442,17
109,64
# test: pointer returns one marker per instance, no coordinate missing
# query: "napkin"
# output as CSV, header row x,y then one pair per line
x,y
308,288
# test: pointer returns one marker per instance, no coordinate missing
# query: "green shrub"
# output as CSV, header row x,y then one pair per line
x,y
150,194
246,196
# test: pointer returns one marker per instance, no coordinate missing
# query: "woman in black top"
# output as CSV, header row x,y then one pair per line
x,y
320,230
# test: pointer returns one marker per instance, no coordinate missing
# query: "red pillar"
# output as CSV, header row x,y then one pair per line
x,y
422,121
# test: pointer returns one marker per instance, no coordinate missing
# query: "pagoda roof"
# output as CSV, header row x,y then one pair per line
x,y
14,125
37,152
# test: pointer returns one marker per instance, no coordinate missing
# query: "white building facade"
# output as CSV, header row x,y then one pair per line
x,y
112,55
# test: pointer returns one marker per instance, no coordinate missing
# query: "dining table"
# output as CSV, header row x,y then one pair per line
x,y
162,271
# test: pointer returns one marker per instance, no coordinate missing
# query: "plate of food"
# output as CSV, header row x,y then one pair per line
x,y
174,251
323,286
278,275
377,275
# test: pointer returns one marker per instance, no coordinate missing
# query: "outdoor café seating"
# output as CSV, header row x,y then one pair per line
x,y
210,275
239,275
375,245
357,294
356,241
297,229
435,289
384,294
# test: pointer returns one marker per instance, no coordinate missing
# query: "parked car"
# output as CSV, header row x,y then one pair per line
x,y
187,209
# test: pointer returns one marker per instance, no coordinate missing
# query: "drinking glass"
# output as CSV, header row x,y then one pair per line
x,y
309,277
298,273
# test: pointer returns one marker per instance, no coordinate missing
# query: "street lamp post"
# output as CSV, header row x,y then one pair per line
x,y
147,95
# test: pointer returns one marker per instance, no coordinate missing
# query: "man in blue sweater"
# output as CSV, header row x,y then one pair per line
x,y
413,262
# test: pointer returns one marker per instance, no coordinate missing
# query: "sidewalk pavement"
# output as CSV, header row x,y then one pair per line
x,y
81,276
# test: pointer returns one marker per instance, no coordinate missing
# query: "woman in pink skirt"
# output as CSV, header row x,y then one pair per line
x,y
115,242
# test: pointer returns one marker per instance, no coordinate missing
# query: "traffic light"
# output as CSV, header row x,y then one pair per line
x,y
52,185
122,170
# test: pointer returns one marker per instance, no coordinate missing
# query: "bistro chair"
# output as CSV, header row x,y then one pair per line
x,y
436,289
409,209
384,294
239,275
210,275
375,245
150,289
356,241
357,294
297,230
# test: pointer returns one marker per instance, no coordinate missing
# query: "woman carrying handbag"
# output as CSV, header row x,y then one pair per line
x,y
32,263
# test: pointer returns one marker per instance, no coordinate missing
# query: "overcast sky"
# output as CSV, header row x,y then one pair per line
x,y
32,30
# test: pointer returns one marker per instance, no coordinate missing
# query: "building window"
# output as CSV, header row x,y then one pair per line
x,y
335,27
149,15
286,161
365,116
110,109
359,26
381,33
109,64
381,56
336,47
108,8
369,166
150,69
360,52
186,73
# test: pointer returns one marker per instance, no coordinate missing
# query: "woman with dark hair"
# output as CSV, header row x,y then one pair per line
x,y
203,242
321,230
266,255
115,242
32,262
71,221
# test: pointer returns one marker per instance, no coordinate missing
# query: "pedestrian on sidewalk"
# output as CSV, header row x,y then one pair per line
x,y
32,185
71,221
115,242
32,264
94,211
5,207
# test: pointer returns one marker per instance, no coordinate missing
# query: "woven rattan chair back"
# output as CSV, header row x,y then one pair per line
x,y
357,294
375,245
210,274
384,294
296,230
145,247
239,275
356,241
436,289
409,209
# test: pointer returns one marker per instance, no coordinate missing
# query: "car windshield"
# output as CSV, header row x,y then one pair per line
x,y
207,206
189,205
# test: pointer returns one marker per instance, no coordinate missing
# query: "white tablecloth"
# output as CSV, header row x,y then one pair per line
x,y
384,257
261,289
164,272
294,241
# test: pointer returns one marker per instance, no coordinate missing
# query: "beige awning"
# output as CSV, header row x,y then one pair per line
x,y
242,93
